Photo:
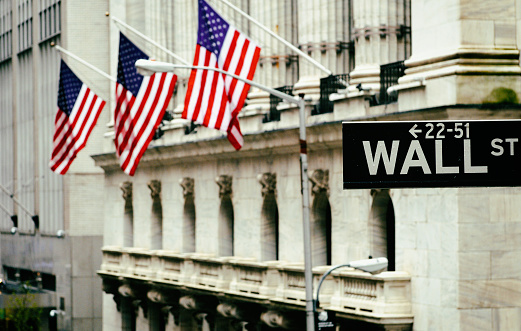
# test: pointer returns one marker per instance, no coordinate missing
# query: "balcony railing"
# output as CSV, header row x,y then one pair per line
x,y
389,75
328,86
274,114
347,291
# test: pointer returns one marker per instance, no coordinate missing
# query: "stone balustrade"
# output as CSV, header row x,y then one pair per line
x,y
346,291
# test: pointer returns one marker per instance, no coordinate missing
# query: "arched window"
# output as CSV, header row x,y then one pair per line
x,y
188,215
156,218
269,218
225,231
321,243
128,215
382,227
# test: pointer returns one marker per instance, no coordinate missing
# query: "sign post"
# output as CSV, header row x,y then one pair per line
x,y
413,154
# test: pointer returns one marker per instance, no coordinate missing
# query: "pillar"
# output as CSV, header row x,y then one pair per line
x,y
463,52
323,33
381,35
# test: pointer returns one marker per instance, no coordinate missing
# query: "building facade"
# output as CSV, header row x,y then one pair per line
x,y
207,238
204,237
53,242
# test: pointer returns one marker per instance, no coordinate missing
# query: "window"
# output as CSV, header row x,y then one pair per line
x,y
188,215
226,219
321,223
128,215
156,224
25,25
50,18
6,22
269,218
382,227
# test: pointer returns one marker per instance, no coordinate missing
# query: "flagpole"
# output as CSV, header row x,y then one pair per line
x,y
85,63
16,200
150,67
279,38
161,47
5,209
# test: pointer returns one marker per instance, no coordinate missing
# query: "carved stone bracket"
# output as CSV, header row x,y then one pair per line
x,y
320,181
187,184
225,185
269,183
277,319
126,187
155,189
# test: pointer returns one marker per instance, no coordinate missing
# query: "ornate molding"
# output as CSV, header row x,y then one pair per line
x,y
126,188
320,181
187,184
269,183
225,185
155,189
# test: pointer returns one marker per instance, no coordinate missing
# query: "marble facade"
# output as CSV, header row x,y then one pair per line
x,y
231,250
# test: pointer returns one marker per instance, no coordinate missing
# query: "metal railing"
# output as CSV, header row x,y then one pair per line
x,y
274,114
389,75
328,86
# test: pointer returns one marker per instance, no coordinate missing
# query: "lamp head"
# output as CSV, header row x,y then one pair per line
x,y
148,67
370,265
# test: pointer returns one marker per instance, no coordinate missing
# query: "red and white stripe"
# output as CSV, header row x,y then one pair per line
x,y
214,99
137,118
71,132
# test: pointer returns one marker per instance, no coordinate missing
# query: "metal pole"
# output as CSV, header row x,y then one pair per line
x,y
158,66
16,200
161,47
5,209
308,272
316,302
282,40
85,63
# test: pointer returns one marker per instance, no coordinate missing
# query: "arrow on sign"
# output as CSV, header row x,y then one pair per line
x,y
413,131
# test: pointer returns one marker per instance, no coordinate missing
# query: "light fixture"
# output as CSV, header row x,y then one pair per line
x,y
372,266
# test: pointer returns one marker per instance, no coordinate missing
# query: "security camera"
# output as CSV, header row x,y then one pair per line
x,y
14,229
60,233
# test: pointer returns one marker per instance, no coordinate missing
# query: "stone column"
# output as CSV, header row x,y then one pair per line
x,y
324,34
381,35
467,47
278,66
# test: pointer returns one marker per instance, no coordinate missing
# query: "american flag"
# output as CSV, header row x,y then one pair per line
x,y
78,112
141,102
213,99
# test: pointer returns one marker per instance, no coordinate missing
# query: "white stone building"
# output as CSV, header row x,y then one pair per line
x,y
218,244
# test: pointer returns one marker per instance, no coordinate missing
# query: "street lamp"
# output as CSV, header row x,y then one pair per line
x,y
147,67
370,265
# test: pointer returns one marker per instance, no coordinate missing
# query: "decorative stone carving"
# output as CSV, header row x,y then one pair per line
x,y
225,185
188,302
187,184
155,189
126,187
155,296
229,311
269,183
126,291
276,319
320,181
